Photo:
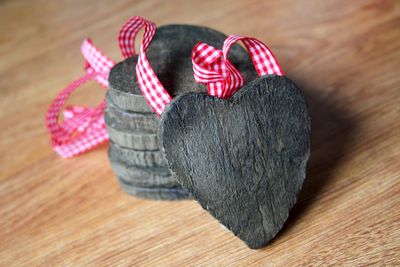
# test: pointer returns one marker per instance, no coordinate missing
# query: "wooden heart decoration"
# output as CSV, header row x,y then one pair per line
x,y
244,159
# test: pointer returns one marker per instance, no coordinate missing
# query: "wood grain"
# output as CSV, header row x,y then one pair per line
x,y
344,54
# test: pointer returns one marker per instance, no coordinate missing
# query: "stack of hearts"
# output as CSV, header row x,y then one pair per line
x,y
133,127
186,119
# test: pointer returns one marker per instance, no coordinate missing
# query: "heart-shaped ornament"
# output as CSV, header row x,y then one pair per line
x,y
244,159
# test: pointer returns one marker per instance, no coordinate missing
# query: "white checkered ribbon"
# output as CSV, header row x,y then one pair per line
x,y
82,128
211,66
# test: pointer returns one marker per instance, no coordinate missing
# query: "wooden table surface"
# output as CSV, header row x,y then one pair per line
x,y
345,55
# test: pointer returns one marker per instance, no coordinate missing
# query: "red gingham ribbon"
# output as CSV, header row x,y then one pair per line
x,y
211,66
83,127
151,87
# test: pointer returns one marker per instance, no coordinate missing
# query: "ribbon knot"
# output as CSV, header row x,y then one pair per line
x,y
212,67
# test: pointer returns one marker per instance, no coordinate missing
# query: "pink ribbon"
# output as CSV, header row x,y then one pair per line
x,y
82,128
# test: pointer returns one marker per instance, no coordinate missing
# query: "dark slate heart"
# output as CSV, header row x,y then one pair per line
x,y
243,159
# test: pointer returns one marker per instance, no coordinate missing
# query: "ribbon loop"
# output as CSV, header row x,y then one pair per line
x,y
127,35
76,118
204,58
153,91
263,59
82,128
96,62
211,66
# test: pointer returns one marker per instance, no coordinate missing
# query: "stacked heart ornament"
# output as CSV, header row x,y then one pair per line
x,y
133,127
223,125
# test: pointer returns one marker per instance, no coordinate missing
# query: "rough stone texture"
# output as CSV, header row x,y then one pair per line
x,y
243,159
134,121
154,193
143,177
123,89
138,157
170,56
128,139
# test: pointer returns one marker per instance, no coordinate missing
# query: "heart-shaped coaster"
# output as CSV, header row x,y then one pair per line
x,y
147,177
138,141
141,158
154,192
244,159
134,121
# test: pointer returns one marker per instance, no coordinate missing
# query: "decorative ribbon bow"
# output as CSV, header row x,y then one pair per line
x,y
83,128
